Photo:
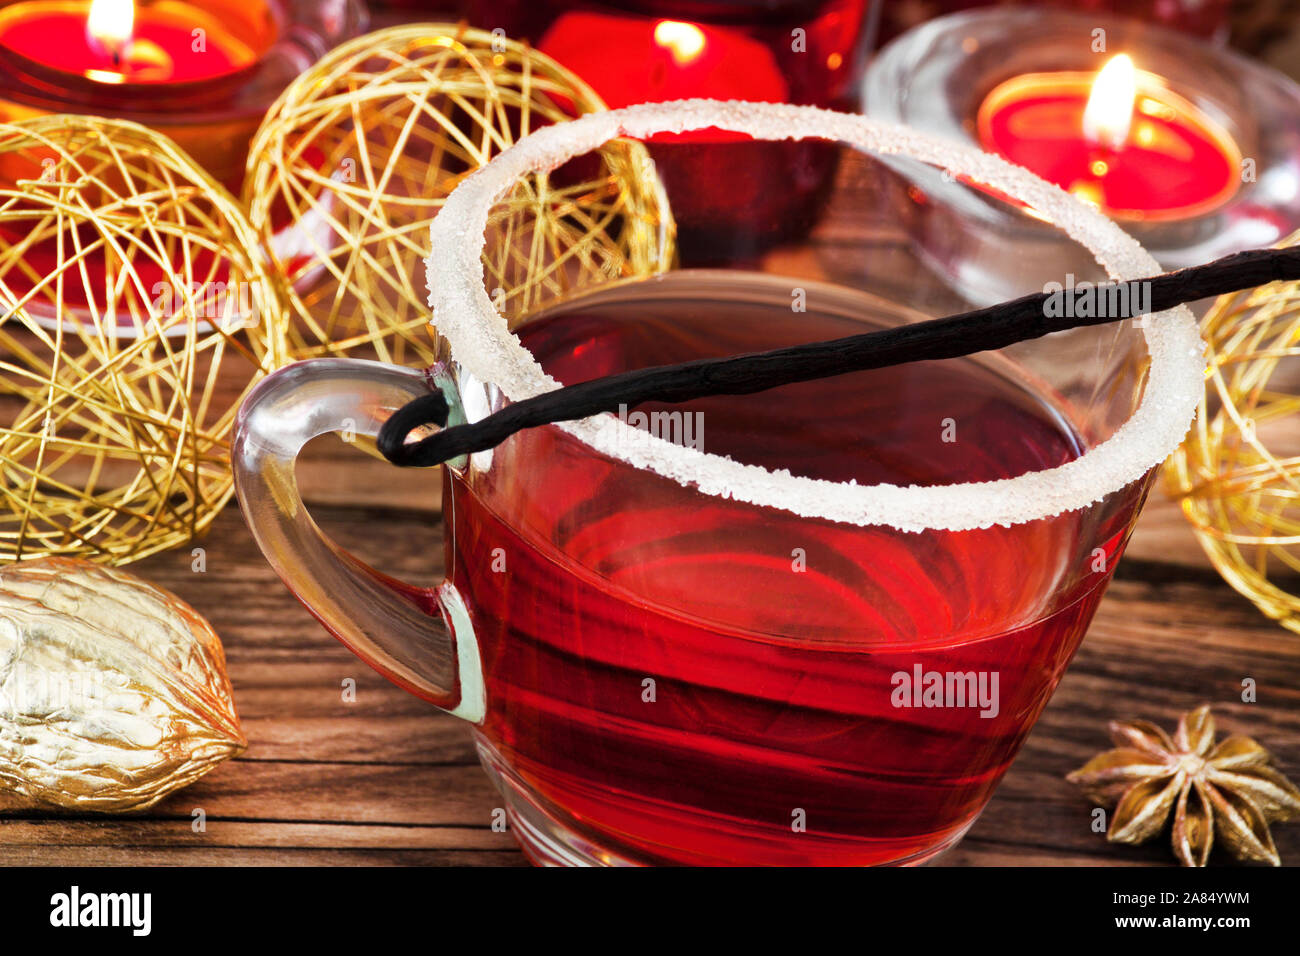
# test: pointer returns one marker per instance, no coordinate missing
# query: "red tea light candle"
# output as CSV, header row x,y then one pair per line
x,y
201,71
726,191
1121,140
733,198
116,42
642,61
630,61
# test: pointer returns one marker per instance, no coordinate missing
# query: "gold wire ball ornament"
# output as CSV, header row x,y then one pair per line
x,y
1237,476
356,157
128,280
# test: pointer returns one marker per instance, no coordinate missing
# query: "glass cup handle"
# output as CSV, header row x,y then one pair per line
x,y
392,626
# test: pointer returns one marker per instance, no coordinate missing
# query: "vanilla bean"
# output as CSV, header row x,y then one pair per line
x,y
980,330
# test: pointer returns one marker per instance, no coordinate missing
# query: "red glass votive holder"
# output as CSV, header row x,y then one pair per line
x,y
733,198
212,113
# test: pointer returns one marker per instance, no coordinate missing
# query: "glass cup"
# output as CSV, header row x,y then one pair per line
x,y
808,626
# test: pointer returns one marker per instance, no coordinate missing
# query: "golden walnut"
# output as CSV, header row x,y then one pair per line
x,y
113,693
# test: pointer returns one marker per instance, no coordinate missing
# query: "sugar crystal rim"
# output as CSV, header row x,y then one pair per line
x,y
483,345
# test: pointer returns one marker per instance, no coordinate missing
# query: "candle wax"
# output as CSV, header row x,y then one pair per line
x,y
162,47
1174,163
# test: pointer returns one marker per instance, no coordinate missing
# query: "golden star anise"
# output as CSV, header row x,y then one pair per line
x,y
1229,790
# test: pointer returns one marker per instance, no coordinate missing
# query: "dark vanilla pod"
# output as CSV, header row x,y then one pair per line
x,y
980,330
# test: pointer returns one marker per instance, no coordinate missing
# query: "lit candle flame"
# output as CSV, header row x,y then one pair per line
x,y
109,26
685,41
1109,113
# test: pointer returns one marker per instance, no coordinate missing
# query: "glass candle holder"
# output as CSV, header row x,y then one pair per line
x,y
1203,18
949,75
732,197
202,72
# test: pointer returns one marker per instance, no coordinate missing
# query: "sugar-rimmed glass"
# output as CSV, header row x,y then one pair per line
x,y
675,656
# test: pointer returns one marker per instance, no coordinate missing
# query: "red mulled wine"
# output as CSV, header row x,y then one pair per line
x,y
681,678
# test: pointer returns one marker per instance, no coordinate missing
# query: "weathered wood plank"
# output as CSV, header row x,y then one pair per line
x,y
19,835
259,856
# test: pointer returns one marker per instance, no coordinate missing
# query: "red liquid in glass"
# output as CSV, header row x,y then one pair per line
x,y
774,688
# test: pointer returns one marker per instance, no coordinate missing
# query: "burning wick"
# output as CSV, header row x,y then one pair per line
x,y
1108,117
109,27
685,41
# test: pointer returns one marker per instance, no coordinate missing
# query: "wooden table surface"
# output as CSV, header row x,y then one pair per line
x,y
387,779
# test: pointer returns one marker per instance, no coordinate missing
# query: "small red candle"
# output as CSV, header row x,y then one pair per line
x,y
729,194
1121,140
733,198
118,53
635,60
631,60
114,41
201,71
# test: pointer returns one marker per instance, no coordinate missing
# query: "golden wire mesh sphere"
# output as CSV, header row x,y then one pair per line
x,y
128,280
1237,475
359,153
